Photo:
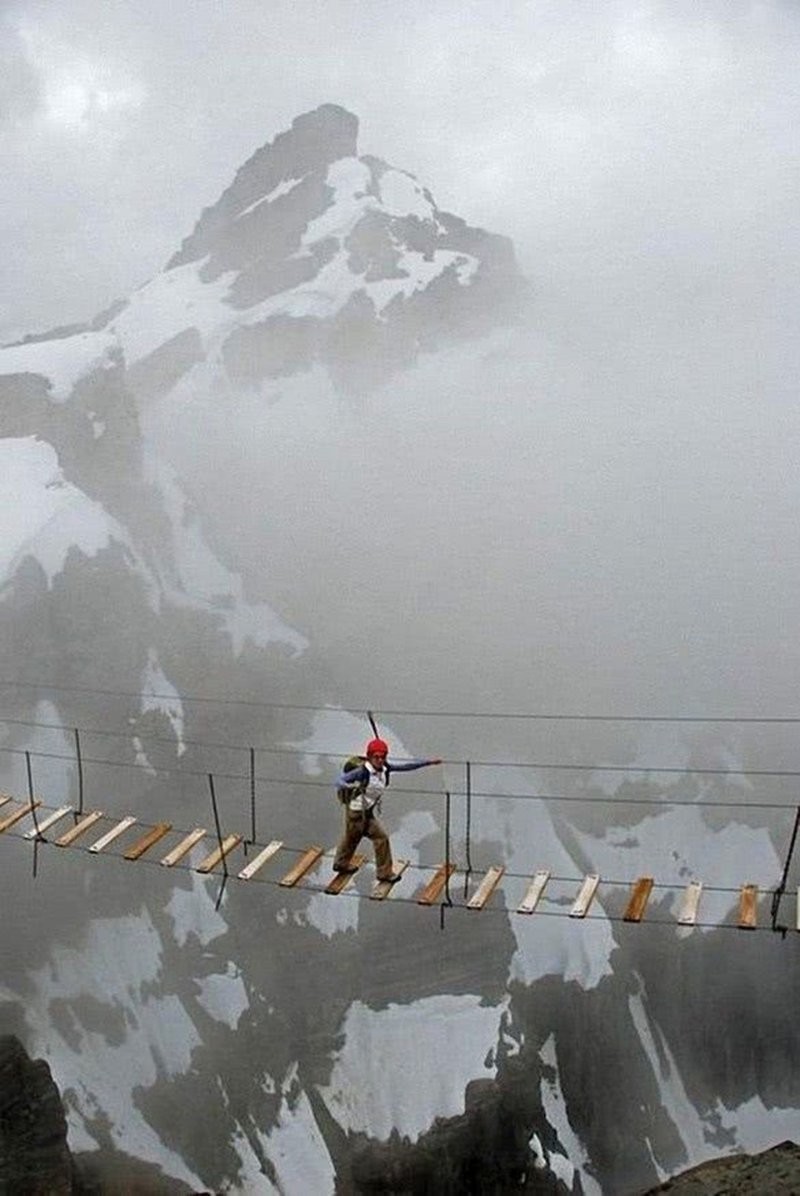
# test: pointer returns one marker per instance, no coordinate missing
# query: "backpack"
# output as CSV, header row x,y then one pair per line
x,y
346,792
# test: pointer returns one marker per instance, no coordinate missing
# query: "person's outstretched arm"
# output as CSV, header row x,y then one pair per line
x,y
412,765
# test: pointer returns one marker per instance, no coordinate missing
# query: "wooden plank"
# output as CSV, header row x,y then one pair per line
x,y
79,829
485,888
637,902
434,886
306,861
47,822
113,834
748,897
383,888
691,901
219,853
261,859
11,819
184,847
534,892
342,879
148,840
798,909
585,896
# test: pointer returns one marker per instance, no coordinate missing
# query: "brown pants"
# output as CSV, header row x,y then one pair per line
x,y
356,826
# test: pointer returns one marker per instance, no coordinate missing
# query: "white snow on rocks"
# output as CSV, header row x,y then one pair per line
x,y
63,361
160,694
100,1075
575,1158
41,514
192,911
401,195
297,1150
203,581
223,997
451,1037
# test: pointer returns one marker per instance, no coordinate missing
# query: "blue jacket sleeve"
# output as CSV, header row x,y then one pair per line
x,y
409,766
353,776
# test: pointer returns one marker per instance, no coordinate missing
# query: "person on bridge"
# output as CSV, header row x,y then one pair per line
x,y
361,786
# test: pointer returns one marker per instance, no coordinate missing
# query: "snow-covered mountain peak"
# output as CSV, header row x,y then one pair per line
x,y
313,256
314,140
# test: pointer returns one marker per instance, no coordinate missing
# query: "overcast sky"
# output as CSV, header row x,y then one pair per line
x,y
609,132
644,159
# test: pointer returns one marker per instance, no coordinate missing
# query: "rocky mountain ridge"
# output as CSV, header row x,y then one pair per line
x,y
265,1039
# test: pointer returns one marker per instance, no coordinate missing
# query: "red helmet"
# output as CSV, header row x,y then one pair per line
x,y
377,747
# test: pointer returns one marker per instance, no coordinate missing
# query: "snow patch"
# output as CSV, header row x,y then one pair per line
x,y
350,180
62,361
154,686
547,945
125,956
203,581
42,515
674,1097
298,1152
677,845
172,302
193,913
401,195
224,997
421,272
451,1037
282,188
555,1110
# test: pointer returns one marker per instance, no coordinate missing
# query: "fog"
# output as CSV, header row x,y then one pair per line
x,y
594,510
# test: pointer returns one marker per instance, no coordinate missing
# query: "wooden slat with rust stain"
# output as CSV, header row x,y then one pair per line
x,y
748,898
184,847
219,853
584,899
485,888
691,902
534,892
79,829
342,879
383,888
261,859
153,836
435,885
637,902
12,819
307,860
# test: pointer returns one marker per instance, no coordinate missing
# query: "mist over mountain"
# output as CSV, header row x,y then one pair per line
x,y
330,454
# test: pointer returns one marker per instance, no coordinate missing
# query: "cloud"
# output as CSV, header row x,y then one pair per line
x,y
20,86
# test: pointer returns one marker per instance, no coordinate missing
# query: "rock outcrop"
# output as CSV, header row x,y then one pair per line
x,y
34,1156
775,1172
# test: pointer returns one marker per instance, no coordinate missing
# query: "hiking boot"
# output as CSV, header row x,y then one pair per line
x,y
345,869
391,879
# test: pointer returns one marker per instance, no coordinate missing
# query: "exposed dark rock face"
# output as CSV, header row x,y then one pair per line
x,y
34,1156
774,1172
35,1159
314,141
485,1151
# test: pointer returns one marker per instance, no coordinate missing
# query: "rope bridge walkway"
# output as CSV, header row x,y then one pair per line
x,y
129,839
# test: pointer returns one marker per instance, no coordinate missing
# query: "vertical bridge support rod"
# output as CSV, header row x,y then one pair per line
x,y
776,896
447,898
252,796
80,773
38,835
